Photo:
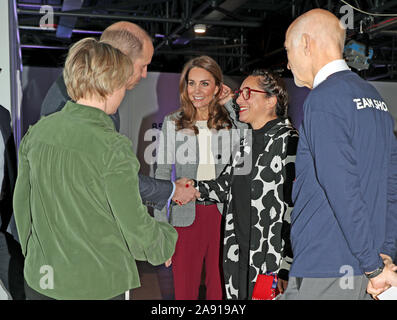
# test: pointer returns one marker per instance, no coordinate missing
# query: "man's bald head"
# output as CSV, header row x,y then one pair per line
x,y
133,41
313,40
127,37
323,27
130,27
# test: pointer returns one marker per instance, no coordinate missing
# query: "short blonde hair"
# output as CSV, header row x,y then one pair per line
x,y
95,69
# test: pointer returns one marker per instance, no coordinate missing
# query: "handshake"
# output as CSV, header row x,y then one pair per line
x,y
184,191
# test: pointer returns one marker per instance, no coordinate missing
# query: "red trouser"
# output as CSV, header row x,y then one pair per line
x,y
196,243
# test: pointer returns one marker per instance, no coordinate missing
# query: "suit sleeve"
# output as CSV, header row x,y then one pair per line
x,y
154,192
56,98
147,239
165,161
340,181
9,159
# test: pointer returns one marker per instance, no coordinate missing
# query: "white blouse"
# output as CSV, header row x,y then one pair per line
x,y
206,166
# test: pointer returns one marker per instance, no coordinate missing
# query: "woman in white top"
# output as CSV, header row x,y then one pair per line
x,y
195,142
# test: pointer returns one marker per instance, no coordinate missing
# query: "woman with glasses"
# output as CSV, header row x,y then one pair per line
x,y
256,187
191,140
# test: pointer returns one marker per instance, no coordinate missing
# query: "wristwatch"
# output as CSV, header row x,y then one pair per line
x,y
375,273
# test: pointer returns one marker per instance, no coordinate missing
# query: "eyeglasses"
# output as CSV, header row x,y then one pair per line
x,y
246,92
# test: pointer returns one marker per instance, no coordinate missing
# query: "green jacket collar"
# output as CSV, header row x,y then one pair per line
x,y
90,113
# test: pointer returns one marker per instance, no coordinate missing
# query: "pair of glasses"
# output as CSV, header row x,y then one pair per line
x,y
246,92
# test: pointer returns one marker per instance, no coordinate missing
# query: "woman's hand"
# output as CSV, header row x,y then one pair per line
x,y
226,95
282,285
184,191
168,262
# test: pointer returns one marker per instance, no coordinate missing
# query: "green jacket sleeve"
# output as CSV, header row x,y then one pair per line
x,y
147,239
21,199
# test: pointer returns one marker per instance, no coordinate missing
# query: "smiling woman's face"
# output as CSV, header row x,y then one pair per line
x,y
201,87
253,109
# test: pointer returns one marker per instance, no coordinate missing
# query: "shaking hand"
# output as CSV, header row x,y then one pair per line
x,y
184,191
226,95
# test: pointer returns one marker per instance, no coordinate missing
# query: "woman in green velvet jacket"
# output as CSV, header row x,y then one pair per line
x,y
79,215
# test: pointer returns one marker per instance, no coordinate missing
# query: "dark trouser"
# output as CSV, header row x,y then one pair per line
x,y
196,243
34,295
327,289
243,282
243,265
4,260
11,266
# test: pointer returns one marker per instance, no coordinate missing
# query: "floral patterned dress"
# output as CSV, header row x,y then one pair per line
x,y
271,205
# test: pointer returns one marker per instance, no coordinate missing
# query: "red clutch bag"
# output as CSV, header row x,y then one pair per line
x,y
265,287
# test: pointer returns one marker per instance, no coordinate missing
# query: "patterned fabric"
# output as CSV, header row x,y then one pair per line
x,y
271,206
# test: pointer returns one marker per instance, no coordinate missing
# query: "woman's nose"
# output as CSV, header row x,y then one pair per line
x,y
239,99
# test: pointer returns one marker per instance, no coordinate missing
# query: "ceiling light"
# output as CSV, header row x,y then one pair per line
x,y
199,28
358,55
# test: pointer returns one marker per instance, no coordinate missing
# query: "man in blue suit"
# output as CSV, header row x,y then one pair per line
x,y
136,43
344,221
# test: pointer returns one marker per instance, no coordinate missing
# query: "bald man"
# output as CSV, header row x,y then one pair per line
x,y
134,42
344,222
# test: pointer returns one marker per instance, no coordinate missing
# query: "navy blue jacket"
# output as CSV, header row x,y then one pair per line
x,y
345,193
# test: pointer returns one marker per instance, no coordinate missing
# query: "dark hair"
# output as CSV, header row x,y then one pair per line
x,y
218,116
274,86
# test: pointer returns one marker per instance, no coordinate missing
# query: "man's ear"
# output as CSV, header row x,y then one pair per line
x,y
306,42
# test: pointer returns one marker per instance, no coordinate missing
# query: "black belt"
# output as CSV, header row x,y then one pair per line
x,y
206,202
